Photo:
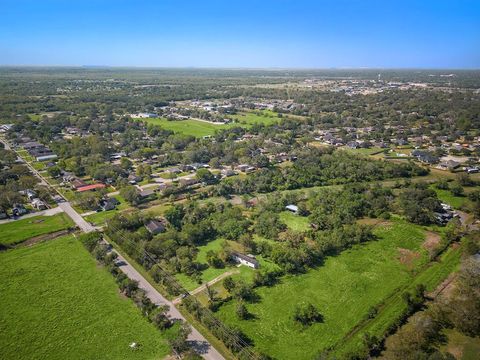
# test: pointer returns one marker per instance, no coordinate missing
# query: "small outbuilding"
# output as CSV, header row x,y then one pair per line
x,y
292,208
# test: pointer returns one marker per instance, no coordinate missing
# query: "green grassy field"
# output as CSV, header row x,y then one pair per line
x,y
208,274
58,304
295,222
461,346
17,231
447,197
371,151
265,117
343,289
188,127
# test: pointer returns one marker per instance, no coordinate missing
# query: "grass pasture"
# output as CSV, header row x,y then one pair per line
x,y
295,222
15,232
58,304
368,273
265,117
188,127
447,197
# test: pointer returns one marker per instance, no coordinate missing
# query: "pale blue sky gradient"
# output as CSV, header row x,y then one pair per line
x,y
247,33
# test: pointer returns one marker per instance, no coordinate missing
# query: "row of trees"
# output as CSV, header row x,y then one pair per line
x,y
157,315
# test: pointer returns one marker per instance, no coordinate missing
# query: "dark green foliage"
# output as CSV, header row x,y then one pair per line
x,y
307,314
268,225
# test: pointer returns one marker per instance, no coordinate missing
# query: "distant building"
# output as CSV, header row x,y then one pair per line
x,y
90,187
248,260
39,204
146,193
144,115
292,208
108,203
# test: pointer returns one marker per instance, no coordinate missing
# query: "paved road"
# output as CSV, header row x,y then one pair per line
x,y
76,217
196,340
48,212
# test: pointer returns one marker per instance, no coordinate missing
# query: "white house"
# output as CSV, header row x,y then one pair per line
x,y
248,260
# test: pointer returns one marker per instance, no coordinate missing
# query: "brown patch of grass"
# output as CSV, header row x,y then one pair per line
x,y
432,241
374,222
407,257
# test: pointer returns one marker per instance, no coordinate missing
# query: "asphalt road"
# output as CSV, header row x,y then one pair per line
x,y
196,340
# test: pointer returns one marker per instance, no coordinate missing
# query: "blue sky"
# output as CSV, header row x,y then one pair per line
x,y
246,33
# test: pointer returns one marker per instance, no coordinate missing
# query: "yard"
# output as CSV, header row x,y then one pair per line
x,y
344,289
58,304
101,217
447,197
210,273
20,230
295,222
265,117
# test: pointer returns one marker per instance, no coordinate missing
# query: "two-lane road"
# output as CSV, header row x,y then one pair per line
x,y
197,341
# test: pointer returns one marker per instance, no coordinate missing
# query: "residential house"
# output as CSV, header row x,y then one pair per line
x,y
108,203
90,187
39,204
156,226
248,260
144,194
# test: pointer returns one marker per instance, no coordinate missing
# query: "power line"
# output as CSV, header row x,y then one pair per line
x,y
235,339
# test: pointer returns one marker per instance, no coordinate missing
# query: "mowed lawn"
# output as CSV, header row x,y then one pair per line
x,y
208,274
447,197
57,303
17,231
265,117
295,222
188,127
344,288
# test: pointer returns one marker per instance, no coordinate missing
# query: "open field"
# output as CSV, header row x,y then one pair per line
x,y
370,151
461,346
369,273
17,231
447,197
188,127
295,222
61,305
430,275
265,117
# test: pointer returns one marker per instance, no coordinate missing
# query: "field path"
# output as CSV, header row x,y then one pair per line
x,y
209,283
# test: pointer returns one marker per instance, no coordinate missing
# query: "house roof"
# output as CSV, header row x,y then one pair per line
x,y
155,225
90,187
146,192
292,207
245,257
